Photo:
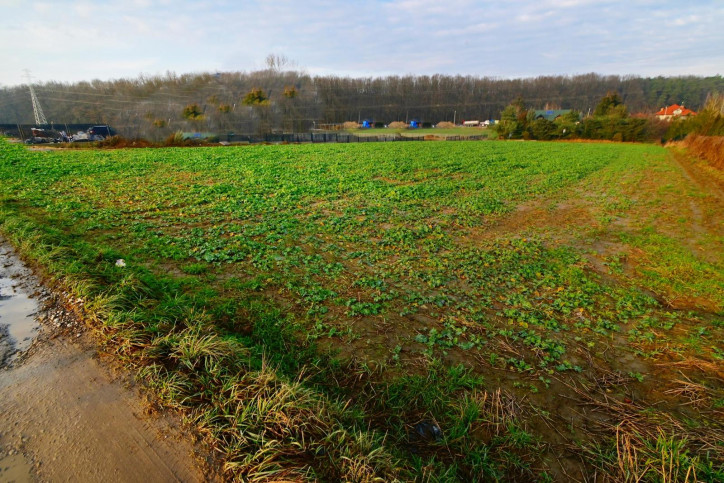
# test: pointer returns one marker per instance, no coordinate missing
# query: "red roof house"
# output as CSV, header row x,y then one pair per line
x,y
674,110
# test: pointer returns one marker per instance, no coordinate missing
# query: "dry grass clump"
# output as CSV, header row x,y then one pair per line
x,y
664,459
698,395
445,125
649,445
397,125
265,426
350,125
709,148
498,409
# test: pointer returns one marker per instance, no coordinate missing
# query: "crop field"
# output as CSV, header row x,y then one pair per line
x,y
458,311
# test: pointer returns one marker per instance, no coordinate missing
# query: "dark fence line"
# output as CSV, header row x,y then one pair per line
x,y
17,129
23,131
339,138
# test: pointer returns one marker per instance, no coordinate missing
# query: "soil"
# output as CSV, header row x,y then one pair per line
x,y
67,413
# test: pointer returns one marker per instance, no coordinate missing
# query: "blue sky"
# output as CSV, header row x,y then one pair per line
x,y
96,39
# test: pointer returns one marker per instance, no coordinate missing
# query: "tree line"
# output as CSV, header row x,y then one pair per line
x,y
275,99
610,120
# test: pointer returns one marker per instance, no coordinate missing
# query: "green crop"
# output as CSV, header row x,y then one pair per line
x,y
402,261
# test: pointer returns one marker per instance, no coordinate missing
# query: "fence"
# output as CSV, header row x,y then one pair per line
x,y
312,137
23,131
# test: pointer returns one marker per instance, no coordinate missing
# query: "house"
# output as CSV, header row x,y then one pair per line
x,y
550,114
674,110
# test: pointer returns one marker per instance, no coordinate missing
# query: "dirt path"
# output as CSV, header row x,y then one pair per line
x,y
65,415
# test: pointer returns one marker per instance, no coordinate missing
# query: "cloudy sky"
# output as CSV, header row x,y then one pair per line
x,y
84,40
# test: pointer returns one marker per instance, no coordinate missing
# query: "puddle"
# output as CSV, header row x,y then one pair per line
x,y
18,305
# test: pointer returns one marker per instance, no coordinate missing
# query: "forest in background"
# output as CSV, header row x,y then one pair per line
x,y
279,100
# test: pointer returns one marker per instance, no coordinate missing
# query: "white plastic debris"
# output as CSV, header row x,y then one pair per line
x,y
120,262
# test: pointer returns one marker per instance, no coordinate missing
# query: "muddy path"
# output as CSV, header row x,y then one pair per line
x,y
67,414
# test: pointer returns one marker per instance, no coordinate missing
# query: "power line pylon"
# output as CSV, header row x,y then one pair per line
x,y
37,110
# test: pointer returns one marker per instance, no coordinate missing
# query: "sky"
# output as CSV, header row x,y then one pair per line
x,y
76,40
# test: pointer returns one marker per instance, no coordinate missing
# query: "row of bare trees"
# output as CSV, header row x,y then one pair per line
x,y
293,101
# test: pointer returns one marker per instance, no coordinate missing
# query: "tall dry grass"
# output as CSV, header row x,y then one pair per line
x,y
708,148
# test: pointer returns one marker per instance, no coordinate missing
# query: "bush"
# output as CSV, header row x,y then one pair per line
x,y
614,128
514,121
655,129
175,139
193,112
709,121
542,129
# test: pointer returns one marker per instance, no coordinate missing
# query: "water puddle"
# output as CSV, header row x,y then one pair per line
x,y
18,305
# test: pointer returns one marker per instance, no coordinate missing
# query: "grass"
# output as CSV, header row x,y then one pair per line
x,y
311,308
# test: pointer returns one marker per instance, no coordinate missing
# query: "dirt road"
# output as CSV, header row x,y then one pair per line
x,y
65,415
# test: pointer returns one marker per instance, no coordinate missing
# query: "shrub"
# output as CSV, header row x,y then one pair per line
x,y
542,129
193,112
709,121
256,97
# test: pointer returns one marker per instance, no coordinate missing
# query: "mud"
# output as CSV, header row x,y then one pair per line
x,y
67,414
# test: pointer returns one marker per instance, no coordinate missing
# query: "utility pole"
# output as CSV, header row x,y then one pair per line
x,y
455,114
37,110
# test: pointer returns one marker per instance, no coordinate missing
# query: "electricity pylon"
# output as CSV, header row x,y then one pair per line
x,y
37,110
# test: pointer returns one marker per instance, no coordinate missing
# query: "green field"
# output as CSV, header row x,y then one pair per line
x,y
452,311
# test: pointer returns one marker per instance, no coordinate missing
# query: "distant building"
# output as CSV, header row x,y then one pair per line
x,y
674,110
471,123
550,114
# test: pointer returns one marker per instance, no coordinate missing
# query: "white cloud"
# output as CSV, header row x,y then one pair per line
x,y
76,39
